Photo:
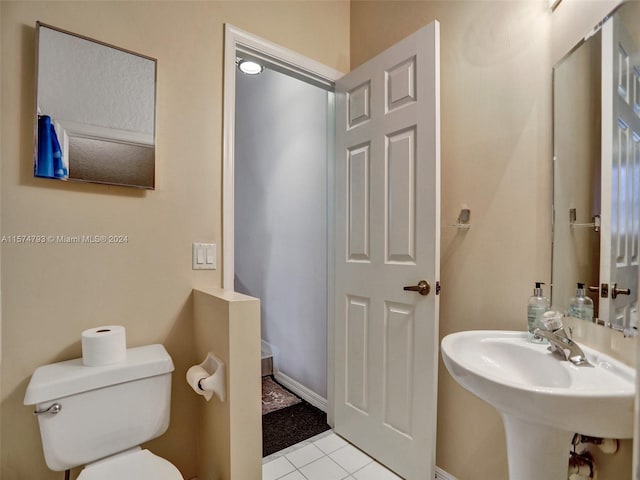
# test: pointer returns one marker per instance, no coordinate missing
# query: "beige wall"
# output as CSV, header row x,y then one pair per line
x,y
496,60
52,292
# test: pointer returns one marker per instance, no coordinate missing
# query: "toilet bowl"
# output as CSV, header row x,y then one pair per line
x,y
98,416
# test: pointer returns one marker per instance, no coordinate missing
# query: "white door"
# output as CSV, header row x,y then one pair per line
x,y
620,174
387,237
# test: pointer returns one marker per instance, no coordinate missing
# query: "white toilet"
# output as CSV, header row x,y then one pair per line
x,y
98,416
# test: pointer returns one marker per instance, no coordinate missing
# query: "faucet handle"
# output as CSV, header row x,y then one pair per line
x,y
552,320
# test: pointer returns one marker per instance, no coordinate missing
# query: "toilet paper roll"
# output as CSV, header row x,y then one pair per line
x,y
104,345
195,375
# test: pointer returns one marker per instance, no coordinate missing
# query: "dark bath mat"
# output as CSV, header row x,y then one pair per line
x,y
291,425
275,397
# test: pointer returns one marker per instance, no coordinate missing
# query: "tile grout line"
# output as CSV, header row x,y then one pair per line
x,y
349,474
311,441
297,446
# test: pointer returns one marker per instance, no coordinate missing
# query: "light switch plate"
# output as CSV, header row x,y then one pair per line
x,y
204,256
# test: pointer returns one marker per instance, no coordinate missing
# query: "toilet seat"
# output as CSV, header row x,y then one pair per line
x,y
133,464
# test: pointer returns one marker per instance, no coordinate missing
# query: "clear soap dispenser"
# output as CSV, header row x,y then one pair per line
x,y
581,306
537,305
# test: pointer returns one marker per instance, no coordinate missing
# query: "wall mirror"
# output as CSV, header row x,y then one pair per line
x,y
596,171
96,110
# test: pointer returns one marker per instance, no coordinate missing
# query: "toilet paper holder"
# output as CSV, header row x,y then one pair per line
x,y
208,378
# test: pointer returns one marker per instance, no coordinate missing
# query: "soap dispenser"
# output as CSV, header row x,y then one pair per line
x,y
537,305
581,306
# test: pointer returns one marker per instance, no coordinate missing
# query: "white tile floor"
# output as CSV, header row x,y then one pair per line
x,y
323,457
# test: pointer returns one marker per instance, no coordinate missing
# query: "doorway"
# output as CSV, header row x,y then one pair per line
x,y
281,219
281,206
282,153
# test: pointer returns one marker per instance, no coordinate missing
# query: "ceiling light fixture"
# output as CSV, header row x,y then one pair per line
x,y
250,67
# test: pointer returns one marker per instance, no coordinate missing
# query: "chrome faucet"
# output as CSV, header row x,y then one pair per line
x,y
559,341
566,347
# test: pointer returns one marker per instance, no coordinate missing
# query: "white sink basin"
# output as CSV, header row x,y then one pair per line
x,y
542,399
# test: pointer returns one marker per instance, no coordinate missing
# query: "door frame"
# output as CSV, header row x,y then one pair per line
x,y
237,41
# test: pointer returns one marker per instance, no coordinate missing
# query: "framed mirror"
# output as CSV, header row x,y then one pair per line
x,y
96,110
596,171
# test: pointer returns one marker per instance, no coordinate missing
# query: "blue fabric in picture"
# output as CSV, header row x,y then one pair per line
x,y
59,170
44,163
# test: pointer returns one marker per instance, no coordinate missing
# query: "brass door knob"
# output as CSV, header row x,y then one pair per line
x,y
615,291
423,288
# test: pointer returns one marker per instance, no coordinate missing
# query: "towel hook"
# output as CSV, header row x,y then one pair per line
x,y
463,219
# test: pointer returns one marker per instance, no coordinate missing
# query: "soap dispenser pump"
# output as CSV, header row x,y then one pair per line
x,y
537,305
581,306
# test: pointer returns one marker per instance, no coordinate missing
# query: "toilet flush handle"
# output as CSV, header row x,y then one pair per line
x,y
53,409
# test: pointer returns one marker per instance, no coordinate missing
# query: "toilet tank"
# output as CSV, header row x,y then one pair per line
x,y
103,410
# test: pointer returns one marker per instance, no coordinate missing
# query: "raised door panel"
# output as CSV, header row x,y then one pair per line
x,y
357,367
398,367
358,168
400,168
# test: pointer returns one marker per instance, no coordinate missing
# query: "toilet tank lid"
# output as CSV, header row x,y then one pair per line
x,y
58,380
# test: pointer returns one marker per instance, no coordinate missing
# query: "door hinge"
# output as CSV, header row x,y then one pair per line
x,y
437,288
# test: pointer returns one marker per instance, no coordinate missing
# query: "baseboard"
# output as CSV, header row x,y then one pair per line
x,y
303,392
442,475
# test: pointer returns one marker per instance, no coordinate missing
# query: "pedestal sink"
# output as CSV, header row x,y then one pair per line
x,y
542,399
